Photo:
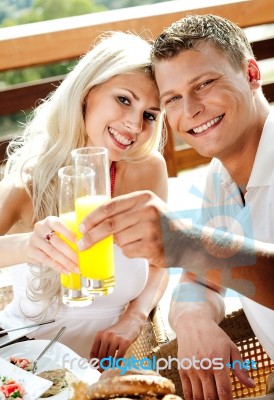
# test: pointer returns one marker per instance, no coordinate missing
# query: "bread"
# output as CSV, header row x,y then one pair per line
x,y
131,385
112,372
134,385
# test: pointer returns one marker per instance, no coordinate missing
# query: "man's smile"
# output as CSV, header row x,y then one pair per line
x,y
206,125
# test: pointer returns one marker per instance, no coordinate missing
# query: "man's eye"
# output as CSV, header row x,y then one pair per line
x,y
149,116
172,99
205,84
123,100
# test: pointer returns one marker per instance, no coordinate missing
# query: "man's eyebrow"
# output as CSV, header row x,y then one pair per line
x,y
190,82
166,93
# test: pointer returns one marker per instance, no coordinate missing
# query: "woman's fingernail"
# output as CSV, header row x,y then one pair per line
x,y
81,245
82,228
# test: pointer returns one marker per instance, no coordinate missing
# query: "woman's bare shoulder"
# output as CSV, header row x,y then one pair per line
x,y
151,165
148,174
15,205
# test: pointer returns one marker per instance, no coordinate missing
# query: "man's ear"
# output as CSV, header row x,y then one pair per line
x,y
254,74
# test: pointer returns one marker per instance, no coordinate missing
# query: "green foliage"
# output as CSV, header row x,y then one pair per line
x,y
34,73
16,12
10,9
41,10
116,4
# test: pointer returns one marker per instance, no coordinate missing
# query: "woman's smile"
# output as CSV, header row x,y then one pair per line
x,y
121,113
121,139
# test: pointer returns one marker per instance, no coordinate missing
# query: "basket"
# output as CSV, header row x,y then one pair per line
x,y
238,329
152,336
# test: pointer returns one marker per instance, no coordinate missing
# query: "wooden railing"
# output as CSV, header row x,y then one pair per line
x,y
64,39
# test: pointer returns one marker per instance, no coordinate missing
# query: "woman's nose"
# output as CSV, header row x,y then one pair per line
x,y
134,122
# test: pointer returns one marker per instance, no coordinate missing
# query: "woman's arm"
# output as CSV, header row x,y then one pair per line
x,y
11,249
116,339
32,248
21,242
13,202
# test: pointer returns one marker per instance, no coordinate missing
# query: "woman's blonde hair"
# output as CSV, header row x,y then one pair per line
x,y
57,126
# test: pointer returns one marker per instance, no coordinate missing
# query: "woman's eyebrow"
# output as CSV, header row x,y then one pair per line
x,y
154,108
138,98
132,93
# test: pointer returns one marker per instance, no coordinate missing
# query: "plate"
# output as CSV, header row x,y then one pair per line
x,y
33,385
58,356
14,323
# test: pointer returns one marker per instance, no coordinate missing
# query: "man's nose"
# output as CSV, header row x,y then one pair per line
x,y
192,106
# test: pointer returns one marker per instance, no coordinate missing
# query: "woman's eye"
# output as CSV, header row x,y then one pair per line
x,y
123,100
149,116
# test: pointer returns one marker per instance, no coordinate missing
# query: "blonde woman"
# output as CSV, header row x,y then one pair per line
x,y
109,99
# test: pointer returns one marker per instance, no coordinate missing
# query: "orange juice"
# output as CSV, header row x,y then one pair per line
x,y
97,262
72,280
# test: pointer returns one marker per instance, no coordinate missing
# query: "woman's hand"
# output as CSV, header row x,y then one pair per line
x,y
45,246
116,339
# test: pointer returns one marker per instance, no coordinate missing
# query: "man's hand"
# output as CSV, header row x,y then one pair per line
x,y
208,346
135,222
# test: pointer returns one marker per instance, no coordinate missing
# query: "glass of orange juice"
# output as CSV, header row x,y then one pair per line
x,y
74,293
96,263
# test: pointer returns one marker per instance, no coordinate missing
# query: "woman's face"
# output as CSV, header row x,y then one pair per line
x,y
121,113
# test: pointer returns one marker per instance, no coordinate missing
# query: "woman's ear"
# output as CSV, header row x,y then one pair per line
x,y
254,74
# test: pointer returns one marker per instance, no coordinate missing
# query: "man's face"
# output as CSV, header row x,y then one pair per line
x,y
208,102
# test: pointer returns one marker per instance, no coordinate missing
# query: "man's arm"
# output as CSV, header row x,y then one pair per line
x,y
222,258
142,227
204,349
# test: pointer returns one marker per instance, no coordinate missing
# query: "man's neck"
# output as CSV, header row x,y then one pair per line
x,y
240,170
239,165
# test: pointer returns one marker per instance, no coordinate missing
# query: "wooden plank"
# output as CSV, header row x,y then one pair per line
x,y
264,49
170,153
63,39
188,158
269,92
3,147
25,96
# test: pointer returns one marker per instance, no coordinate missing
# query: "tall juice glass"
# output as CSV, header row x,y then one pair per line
x,y
96,263
73,294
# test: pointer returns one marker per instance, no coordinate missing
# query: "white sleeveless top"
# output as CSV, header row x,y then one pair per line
x,y
82,323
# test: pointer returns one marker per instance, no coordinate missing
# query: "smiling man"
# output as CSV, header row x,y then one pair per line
x,y
210,89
